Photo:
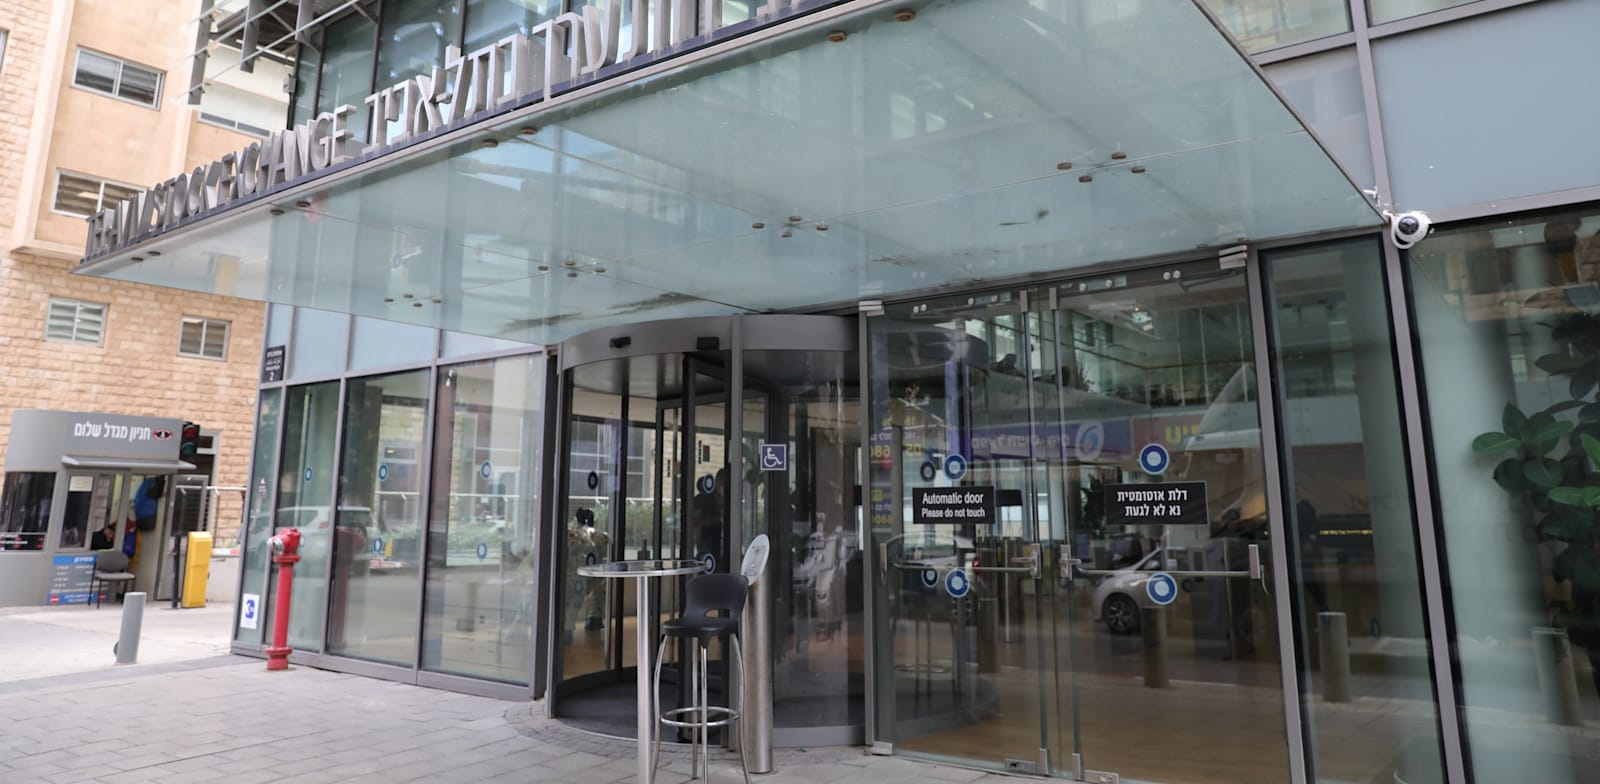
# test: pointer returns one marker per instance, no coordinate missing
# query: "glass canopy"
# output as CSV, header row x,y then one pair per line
x,y
978,140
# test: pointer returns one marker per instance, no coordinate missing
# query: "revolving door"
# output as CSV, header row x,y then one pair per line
x,y
685,439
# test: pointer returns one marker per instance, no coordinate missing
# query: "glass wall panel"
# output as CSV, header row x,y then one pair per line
x,y
482,517
307,64
1381,11
1326,90
378,344
1508,321
491,20
320,340
258,526
305,501
1536,61
1268,24
347,62
25,509
1368,696
413,37
378,530
809,401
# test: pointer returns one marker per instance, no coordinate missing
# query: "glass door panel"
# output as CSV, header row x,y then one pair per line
x,y
1117,595
377,537
1172,633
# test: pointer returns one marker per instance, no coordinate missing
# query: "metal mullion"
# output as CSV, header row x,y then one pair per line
x,y
545,529
425,506
619,527
1430,550
1030,512
244,550
557,550
333,515
863,512
1272,474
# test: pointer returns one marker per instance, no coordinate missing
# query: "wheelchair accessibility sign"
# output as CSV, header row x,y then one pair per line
x,y
774,457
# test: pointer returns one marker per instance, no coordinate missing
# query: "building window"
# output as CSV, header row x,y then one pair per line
x,y
84,196
204,338
3,35
106,74
75,321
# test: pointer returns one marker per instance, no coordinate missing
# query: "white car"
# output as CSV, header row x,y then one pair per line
x,y
1119,595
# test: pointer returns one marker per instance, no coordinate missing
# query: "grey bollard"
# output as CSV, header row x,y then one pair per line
x,y
1333,633
127,647
1153,629
1558,682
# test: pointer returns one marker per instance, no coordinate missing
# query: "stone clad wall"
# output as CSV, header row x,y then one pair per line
x,y
137,369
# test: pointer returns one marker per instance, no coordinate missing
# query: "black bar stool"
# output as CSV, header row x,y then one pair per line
x,y
707,594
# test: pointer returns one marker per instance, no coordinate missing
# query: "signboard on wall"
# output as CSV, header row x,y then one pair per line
x,y
953,505
71,578
272,364
1157,503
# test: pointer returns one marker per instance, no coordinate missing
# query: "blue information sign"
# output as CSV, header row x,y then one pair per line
x,y
1154,459
1162,589
957,584
774,457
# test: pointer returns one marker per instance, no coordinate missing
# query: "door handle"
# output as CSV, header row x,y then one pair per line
x,y
1067,561
1255,561
1033,559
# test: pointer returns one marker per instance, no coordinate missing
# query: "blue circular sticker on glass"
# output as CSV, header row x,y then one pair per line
x,y
930,578
308,473
929,471
955,467
1162,589
710,561
383,472
708,483
590,559
377,544
956,584
1154,459
483,550
486,470
1091,437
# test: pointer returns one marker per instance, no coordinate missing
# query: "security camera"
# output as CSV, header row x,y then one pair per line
x,y
1408,228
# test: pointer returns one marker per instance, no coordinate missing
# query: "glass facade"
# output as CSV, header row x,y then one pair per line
x,y
1507,326
1383,463
483,515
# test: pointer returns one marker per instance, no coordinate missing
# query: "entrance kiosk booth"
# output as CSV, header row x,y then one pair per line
x,y
76,481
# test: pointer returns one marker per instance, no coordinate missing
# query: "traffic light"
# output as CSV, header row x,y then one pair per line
x,y
189,441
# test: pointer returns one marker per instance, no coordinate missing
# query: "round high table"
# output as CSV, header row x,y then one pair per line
x,y
641,573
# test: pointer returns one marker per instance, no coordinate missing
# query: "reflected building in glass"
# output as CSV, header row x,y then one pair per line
x,y
1062,352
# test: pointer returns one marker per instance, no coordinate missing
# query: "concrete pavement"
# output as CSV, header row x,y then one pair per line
x,y
190,713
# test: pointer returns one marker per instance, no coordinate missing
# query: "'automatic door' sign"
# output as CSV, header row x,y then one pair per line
x,y
959,505
1158,503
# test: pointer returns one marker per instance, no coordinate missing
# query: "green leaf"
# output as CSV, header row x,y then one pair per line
x,y
1589,413
1494,442
1571,496
1509,476
1584,380
1545,432
1565,406
1558,364
1566,528
1513,421
1592,446
1591,496
1542,473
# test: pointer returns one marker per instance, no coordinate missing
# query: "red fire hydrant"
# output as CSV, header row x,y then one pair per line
x,y
285,553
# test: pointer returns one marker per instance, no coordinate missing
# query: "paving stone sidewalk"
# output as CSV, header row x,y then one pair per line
x,y
226,719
